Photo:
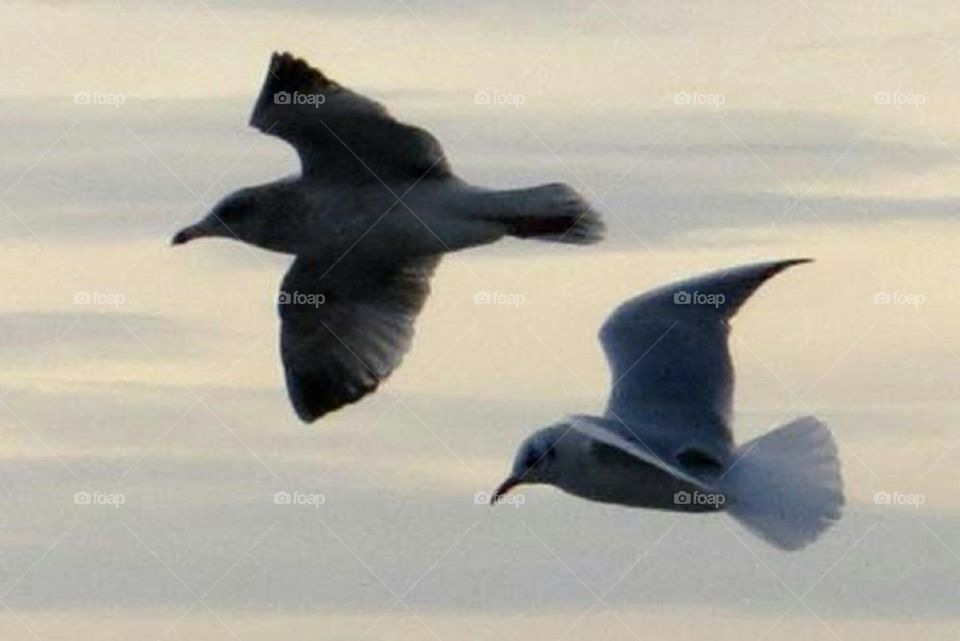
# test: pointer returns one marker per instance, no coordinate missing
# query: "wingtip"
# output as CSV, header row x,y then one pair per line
x,y
282,58
307,419
312,401
781,265
288,67
286,74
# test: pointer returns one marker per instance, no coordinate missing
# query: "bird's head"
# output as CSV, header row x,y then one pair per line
x,y
535,461
236,216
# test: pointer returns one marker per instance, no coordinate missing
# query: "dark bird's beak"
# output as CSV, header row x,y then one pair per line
x,y
187,234
505,487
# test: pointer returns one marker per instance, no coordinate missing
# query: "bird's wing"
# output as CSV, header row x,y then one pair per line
x,y
596,431
345,328
340,135
671,366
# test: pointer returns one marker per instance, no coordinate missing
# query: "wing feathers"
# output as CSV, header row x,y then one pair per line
x,y
339,134
346,329
669,358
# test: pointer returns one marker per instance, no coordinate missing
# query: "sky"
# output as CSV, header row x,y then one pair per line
x,y
145,430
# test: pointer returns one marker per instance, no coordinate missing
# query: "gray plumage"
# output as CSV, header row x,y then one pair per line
x,y
374,209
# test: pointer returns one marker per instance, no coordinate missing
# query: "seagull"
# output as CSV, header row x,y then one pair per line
x,y
665,440
374,208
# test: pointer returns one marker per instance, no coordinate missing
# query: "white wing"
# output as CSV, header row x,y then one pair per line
x,y
671,367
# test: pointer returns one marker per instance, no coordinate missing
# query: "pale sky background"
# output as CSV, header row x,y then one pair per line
x,y
813,129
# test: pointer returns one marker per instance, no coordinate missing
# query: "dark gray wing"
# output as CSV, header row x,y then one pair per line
x,y
344,329
340,135
671,365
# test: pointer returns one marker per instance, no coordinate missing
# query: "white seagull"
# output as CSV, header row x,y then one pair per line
x,y
665,441
375,207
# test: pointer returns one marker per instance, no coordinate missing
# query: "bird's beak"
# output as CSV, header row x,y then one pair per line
x,y
187,234
505,487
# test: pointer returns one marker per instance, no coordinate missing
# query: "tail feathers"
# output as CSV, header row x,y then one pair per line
x,y
553,212
786,486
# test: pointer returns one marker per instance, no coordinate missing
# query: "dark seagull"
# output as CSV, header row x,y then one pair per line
x,y
375,207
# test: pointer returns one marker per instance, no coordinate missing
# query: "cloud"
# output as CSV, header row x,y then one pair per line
x,y
201,515
660,174
108,334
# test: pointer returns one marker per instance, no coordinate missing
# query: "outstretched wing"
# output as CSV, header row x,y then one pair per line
x,y
671,365
340,135
345,328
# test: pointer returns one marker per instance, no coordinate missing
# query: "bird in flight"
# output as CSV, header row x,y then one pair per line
x,y
665,440
375,207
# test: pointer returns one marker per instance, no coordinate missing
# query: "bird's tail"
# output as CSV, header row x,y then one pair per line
x,y
553,212
786,486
